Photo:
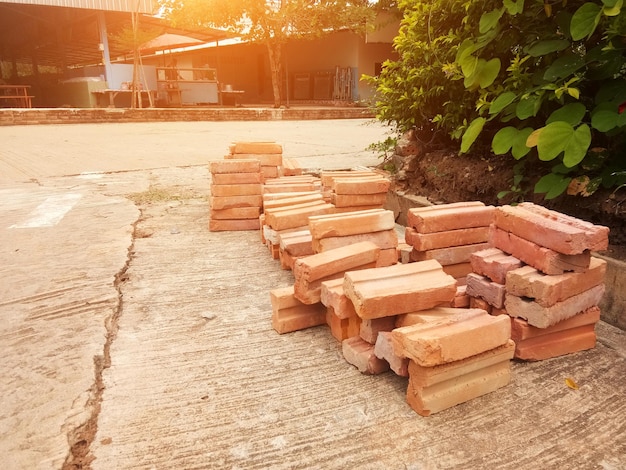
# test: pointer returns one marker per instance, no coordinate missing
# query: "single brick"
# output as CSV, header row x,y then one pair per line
x,y
452,338
461,299
256,147
297,242
288,314
477,302
235,166
236,178
384,239
351,223
481,286
236,213
493,263
327,176
374,184
384,350
332,295
451,255
543,317
575,334
397,289
229,202
551,229
458,271
387,257
543,259
361,355
285,188
548,290
266,159
370,328
310,197
291,167
342,328
295,216
358,200
449,238
440,218
217,225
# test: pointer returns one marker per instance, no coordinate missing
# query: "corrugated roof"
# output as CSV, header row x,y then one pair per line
x,y
140,6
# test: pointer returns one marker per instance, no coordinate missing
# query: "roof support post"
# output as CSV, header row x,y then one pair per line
x,y
104,41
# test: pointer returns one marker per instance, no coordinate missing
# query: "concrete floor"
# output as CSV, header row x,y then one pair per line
x,y
134,338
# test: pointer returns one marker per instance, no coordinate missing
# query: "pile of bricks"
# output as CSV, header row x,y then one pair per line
x,y
355,190
269,155
541,273
236,195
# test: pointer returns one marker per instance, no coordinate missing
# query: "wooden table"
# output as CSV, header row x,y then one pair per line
x,y
111,94
231,97
17,96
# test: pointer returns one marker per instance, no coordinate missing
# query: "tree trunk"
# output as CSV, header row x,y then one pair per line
x,y
274,49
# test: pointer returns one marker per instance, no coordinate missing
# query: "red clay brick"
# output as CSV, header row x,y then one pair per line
x,y
266,159
288,314
236,178
351,223
332,295
291,167
229,202
286,188
235,166
370,328
236,213
551,229
256,147
452,338
387,257
361,355
477,302
440,218
384,350
384,239
217,225
288,200
543,259
458,271
402,288
575,334
297,243
548,290
327,176
461,299
494,264
357,200
436,240
342,328
451,255
295,216
268,173
481,286
329,265
543,317
375,184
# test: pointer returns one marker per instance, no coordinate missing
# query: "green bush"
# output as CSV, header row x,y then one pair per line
x,y
534,79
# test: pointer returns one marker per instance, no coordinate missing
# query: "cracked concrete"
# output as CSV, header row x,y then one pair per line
x,y
134,338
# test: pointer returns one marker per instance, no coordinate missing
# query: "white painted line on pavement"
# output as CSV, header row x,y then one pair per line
x,y
50,212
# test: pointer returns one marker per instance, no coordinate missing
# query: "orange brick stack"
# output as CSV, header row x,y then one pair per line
x,y
449,233
454,355
236,195
269,155
553,298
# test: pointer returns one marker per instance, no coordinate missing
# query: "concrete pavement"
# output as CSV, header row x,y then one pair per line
x,y
134,338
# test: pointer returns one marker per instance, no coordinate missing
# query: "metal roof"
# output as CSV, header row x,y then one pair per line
x,y
69,36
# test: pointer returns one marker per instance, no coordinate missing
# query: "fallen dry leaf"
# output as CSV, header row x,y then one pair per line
x,y
571,384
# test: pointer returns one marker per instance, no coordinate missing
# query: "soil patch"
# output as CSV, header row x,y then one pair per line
x,y
443,176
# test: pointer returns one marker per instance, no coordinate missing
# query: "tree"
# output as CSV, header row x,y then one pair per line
x,y
271,22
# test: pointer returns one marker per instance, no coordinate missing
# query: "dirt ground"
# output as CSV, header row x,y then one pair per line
x,y
443,176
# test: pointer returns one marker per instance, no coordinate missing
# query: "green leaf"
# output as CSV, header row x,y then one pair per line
x,y
520,149
604,120
585,20
471,133
503,140
571,113
577,146
563,67
502,102
514,8
553,139
526,107
612,8
489,21
552,185
542,48
610,3
488,72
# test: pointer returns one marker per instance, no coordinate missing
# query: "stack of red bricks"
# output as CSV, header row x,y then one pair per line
x,y
542,274
355,190
236,195
269,155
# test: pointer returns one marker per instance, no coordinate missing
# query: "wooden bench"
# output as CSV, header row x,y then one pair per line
x,y
16,94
